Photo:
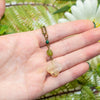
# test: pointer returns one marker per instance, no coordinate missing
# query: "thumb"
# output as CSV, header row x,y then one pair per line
x,y
2,7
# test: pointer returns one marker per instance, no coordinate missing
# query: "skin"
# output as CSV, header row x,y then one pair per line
x,y
23,59
2,7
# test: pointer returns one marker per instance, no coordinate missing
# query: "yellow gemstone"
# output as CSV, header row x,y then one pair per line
x,y
54,68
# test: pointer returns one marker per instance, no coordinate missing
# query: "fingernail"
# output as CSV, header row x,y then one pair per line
x,y
94,24
89,64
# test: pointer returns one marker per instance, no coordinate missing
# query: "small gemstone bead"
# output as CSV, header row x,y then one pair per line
x,y
49,52
47,41
54,68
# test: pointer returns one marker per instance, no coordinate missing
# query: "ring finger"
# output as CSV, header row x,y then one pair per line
x,y
76,57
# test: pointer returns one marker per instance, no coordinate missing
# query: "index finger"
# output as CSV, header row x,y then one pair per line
x,y
62,30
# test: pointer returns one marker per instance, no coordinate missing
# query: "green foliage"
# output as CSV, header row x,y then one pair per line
x,y
98,69
98,1
3,29
21,16
87,94
65,8
98,88
29,16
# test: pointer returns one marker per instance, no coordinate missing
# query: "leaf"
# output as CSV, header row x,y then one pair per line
x,y
98,88
65,8
3,29
24,17
65,0
87,94
98,1
98,69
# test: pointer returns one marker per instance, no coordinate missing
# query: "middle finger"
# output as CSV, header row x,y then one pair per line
x,y
74,43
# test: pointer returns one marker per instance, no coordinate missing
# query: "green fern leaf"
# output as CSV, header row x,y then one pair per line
x,y
87,94
3,29
98,69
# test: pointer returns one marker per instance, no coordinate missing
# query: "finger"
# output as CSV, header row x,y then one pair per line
x,y
76,57
65,77
2,7
71,44
59,31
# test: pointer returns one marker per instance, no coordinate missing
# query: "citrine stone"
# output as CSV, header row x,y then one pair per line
x,y
54,68
47,41
49,52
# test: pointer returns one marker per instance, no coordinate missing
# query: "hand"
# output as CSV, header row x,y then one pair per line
x,y
2,7
23,58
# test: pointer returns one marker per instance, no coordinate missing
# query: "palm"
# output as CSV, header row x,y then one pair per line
x,y
20,65
23,58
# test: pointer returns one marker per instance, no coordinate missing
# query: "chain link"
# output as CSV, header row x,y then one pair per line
x,y
44,32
